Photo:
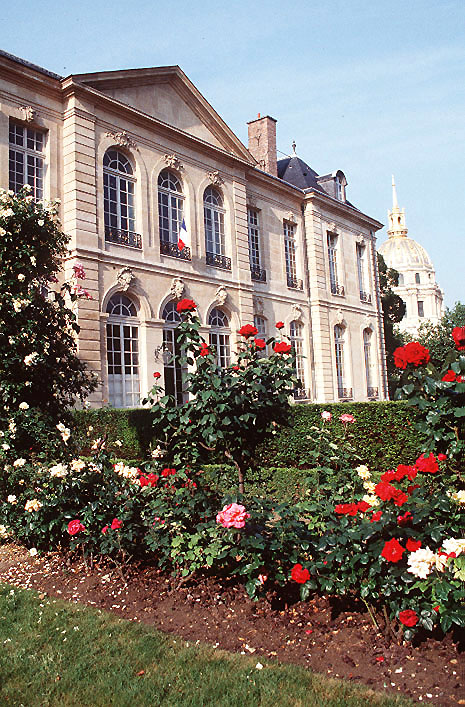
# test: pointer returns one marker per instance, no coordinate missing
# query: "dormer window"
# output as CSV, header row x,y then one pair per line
x,y
340,189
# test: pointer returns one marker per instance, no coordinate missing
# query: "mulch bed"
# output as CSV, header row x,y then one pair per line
x,y
327,635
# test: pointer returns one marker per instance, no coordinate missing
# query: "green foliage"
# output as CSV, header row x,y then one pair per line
x,y
393,310
437,337
131,427
39,366
230,409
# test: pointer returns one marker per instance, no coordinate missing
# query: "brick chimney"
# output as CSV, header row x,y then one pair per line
x,y
262,143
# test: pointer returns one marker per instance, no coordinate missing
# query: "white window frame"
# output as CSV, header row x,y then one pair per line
x,y
289,230
117,326
253,223
213,219
259,323
332,242
170,213
220,336
171,351
123,183
296,335
27,147
339,341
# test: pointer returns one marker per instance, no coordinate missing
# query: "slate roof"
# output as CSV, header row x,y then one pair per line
x,y
23,62
297,172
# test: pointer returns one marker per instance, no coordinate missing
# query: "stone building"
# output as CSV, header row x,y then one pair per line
x,y
139,160
417,278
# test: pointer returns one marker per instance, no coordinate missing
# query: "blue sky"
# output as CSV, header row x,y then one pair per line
x,y
369,87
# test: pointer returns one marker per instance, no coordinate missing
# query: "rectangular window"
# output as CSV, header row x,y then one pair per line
x,y
421,309
361,267
221,344
254,239
289,252
26,159
336,289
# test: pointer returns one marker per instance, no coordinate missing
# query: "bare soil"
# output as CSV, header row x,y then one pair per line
x,y
326,634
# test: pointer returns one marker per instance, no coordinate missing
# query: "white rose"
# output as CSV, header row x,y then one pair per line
x,y
23,406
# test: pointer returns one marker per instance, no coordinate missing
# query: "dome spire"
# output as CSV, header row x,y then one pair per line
x,y
396,217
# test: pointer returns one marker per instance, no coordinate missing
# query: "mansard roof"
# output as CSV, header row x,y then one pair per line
x,y
297,172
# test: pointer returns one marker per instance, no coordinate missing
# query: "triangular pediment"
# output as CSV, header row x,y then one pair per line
x,y
167,94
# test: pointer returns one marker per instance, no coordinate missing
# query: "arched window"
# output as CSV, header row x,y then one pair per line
x,y
372,392
339,333
213,215
170,207
417,278
219,336
297,339
118,199
172,353
260,324
122,352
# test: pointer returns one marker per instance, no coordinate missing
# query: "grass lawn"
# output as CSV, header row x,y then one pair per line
x,y
54,653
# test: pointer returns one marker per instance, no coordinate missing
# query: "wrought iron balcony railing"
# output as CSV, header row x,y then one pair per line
x,y
126,238
345,393
257,273
372,393
337,289
171,249
365,296
294,283
301,394
218,261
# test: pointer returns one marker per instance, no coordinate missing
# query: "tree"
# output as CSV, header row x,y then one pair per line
x,y
437,337
393,311
230,410
40,373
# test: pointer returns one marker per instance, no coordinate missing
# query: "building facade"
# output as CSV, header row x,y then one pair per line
x,y
424,299
141,160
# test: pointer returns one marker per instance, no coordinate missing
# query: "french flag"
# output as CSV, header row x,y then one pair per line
x,y
181,243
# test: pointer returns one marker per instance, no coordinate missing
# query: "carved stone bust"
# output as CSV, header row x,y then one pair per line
x,y
177,287
125,278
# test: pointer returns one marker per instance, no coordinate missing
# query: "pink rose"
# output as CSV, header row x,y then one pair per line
x,y
326,415
232,516
346,418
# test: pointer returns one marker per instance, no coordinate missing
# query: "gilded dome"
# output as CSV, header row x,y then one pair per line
x,y
402,252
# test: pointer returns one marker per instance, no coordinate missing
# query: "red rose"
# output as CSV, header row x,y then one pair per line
x,y
442,457
376,516
116,524
363,506
449,377
393,551
260,344
436,608
403,470
279,325
408,617
75,526
248,330
104,529
413,353
204,350
185,305
346,509
299,574
281,347
388,476
157,375
428,465
385,491
399,497
412,488
168,472
413,545
458,335
235,368
404,520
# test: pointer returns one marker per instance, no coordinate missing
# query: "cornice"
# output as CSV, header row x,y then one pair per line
x,y
342,208
21,75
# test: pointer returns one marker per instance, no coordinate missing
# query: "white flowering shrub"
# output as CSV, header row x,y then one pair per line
x,y
40,374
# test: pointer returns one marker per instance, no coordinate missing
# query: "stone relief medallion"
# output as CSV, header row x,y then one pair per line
x,y
177,287
28,113
340,318
251,201
221,295
215,178
122,139
296,312
173,161
360,239
258,305
125,278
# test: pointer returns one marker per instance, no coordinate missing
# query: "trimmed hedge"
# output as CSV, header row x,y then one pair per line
x,y
383,434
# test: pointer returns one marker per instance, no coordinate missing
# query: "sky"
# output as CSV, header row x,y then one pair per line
x,y
372,87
